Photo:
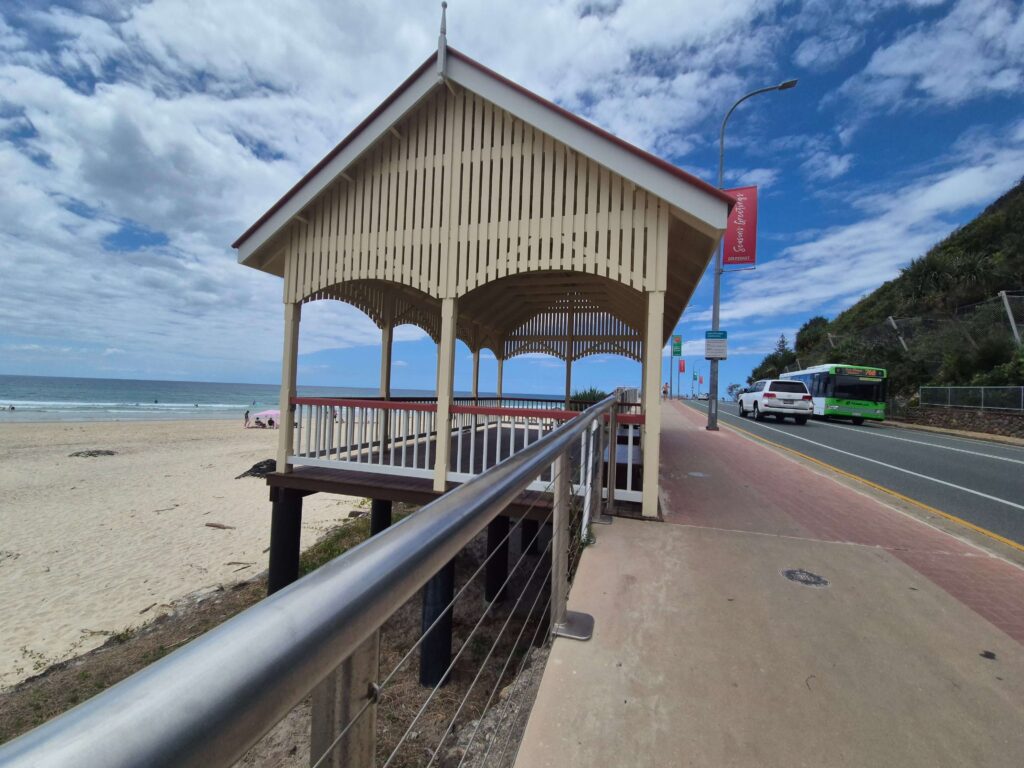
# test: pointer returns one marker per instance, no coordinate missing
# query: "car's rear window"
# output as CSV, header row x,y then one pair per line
x,y
789,386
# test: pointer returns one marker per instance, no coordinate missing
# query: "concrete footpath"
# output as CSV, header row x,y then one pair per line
x,y
705,655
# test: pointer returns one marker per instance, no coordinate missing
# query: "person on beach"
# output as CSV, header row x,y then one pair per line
x,y
246,425
260,424
664,390
270,422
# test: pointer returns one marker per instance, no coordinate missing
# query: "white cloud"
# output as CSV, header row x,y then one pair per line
x,y
825,51
826,165
976,50
754,177
835,266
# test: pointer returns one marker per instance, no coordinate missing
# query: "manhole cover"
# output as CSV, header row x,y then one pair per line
x,y
696,474
808,579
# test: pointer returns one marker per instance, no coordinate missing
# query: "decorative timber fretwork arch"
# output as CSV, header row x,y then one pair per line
x,y
474,209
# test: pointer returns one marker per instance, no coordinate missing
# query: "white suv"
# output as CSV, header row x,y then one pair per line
x,y
778,397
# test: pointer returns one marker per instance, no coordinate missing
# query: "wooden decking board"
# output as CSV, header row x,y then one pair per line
x,y
412,490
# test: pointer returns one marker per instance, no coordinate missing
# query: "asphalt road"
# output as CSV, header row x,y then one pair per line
x,y
976,480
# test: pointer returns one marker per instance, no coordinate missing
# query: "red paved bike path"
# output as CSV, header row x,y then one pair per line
x,y
727,481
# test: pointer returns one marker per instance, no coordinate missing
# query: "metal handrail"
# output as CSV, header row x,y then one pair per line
x,y
208,702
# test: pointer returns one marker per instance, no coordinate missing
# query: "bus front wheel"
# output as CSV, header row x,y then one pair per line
x,y
858,420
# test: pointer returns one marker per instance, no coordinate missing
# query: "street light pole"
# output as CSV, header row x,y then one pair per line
x,y
713,377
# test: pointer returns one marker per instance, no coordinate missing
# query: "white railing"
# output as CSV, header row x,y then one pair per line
x,y
369,435
984,398
400,437
484,436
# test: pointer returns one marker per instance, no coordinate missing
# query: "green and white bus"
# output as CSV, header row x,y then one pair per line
x,y
855,392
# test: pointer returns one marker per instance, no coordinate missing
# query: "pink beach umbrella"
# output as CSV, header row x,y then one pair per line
x,y
265,415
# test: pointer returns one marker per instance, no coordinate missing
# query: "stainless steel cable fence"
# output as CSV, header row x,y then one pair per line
x,y
339,642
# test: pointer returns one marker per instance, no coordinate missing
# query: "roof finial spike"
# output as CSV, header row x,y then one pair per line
x,y
442,43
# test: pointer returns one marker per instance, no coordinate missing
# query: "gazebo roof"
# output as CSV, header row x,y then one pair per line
x,y
462,184
639,166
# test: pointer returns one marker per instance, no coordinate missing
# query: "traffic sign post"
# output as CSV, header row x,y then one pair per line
x,y
677,351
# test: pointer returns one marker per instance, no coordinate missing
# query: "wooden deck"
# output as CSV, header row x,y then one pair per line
x,y
374,485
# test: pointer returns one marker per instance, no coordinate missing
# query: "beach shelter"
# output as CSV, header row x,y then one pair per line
x,y
474,209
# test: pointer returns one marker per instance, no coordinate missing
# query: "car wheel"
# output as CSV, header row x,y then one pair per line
x,y
801,419
758,416
743,413
858,420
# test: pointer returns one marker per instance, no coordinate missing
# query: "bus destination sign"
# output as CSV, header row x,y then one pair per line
x,y
873,373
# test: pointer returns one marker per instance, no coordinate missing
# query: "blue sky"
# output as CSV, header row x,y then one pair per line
x,y
137,140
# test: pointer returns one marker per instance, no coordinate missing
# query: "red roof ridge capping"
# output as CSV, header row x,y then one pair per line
x,y
675,170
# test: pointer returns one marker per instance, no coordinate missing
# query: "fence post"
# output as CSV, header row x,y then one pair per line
x,y
342,694
564,623
613,455
337,700
597,513
983,398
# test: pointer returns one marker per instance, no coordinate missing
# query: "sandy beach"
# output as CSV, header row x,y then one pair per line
x,y
91,546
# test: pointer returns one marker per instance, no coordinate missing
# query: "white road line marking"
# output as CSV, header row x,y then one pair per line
x,y
875,433
891,466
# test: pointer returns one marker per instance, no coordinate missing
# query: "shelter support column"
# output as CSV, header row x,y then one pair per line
x,y
568,381
445,374
652,399
501,363
570,348
285,533
289,366
386,335
384,423
476,375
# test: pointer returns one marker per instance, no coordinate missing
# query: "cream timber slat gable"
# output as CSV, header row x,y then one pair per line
x,y
497,197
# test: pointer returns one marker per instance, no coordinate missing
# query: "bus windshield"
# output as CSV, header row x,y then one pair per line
x,y
859,388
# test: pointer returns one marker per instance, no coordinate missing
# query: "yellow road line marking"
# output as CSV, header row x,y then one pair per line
x,y
890,491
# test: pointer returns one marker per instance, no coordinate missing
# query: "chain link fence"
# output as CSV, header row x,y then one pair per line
x,y
984,398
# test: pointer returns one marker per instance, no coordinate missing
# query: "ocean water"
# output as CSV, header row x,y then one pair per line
x,y
47,398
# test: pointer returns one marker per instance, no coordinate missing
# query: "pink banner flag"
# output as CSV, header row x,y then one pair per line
x,y
682,366
741,231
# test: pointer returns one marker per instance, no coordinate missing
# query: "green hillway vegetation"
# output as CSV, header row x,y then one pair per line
x,y
947,311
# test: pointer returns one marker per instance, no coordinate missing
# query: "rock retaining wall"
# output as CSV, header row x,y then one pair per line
x,y
969,419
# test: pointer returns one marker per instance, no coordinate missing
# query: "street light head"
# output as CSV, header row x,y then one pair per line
x,y
787,84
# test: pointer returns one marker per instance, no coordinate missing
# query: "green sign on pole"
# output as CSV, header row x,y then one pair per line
x,y
677,346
